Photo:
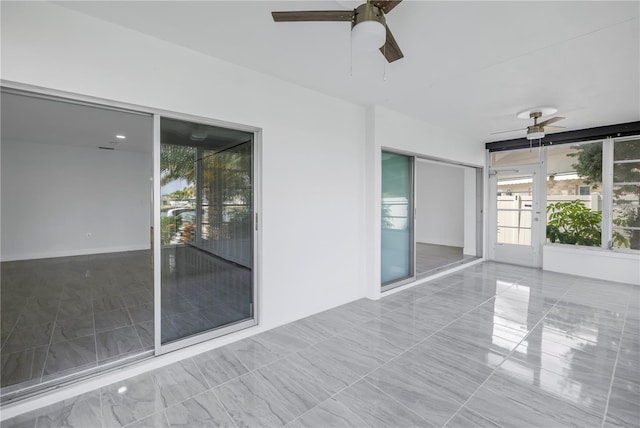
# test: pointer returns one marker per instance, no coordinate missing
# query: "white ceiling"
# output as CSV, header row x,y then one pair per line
x,y
27,119
468,66
43,120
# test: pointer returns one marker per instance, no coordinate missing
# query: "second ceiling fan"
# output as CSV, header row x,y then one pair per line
x,y
537,130
368,23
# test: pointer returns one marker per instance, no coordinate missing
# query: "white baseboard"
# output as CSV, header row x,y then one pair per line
x,y
69,253
441,242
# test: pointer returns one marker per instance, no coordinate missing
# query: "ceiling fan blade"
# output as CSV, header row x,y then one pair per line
x,y
390,49
313,15
511,130
550,121
555,127
385,5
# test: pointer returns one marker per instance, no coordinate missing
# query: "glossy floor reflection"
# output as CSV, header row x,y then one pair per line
x,y
492,345
432,258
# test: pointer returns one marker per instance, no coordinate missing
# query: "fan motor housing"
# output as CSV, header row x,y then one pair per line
x,y
368,12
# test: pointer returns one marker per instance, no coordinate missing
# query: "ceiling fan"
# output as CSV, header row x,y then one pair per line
x,y
369,30
537,130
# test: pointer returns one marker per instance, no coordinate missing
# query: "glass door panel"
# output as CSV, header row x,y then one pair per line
x,y
515,217
207,228
397,246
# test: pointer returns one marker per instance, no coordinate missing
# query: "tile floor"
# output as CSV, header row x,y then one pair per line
x,y
64,315
67,314
431,258
492,345
201,292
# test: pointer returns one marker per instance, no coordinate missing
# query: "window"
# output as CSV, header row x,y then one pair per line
x,y
574,212
515,157
626,194
592,190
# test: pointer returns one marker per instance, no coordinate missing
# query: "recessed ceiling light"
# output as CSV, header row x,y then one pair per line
x,y
121,137
199,135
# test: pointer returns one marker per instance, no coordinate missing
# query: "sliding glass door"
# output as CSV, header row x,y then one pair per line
x,y
206,232
397,220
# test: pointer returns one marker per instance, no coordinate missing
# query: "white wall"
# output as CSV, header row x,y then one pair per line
x,y
592,262
471,214
440,204
312,252
53,196
398,131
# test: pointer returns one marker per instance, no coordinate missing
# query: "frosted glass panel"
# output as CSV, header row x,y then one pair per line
x,y
397,218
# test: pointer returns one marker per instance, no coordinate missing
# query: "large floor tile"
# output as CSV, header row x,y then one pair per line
x,y
73,328
327,373
254,354
29,337
157,420
23,367
378,409
564,409
329,414
251,403
219,366
111,320
131,400
203,410
117,342
82,411
283,341
422,390
63,356
465,418
293,386
179,381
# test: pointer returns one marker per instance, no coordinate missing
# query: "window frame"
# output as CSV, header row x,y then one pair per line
x,y
608,162
608,184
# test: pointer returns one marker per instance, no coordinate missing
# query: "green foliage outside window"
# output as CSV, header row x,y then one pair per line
x,y
589,167
168,227
574,223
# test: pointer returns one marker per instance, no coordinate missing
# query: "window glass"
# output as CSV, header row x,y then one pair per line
x,y
574,194
626,194
514,208
515,157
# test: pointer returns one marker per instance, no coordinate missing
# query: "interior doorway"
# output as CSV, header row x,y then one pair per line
x,y
77,284
431,217
446,215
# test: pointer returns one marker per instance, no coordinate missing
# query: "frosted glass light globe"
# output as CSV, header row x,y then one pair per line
x,y
368,36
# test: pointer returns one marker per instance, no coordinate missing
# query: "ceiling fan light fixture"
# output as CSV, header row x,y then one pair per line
x,y
535,132
368,31
368,36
